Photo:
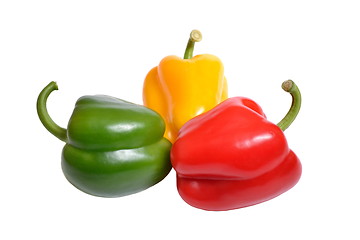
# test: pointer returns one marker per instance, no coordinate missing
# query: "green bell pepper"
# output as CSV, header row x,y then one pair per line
x,y
113,147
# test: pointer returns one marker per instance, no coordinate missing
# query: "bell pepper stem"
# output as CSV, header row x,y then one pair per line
x,y
44,116
195,36
290,87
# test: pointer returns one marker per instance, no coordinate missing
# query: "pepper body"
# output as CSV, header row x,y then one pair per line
x,y
233,157
113,147
180,89
116,173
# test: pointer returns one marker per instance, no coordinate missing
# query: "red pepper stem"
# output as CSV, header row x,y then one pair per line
x,y
44,116
195,36
290,87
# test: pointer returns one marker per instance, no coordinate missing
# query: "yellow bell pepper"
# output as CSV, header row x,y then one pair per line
x,y
180,89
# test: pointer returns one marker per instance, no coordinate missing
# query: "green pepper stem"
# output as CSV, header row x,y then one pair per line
x,y
44,116
195,36
290,87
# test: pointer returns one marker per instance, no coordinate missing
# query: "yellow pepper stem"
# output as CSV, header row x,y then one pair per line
x,y
195,36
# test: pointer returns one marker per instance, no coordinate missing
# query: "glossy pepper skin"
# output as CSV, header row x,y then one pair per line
x,y
180,89
113,147
233,157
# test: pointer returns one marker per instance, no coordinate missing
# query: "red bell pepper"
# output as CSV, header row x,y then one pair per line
x,y
232,156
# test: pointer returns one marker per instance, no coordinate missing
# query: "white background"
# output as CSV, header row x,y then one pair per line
x,y
107,47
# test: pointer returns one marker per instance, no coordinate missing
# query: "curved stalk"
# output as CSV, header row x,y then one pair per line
x,y
44,116
195,36
290,87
